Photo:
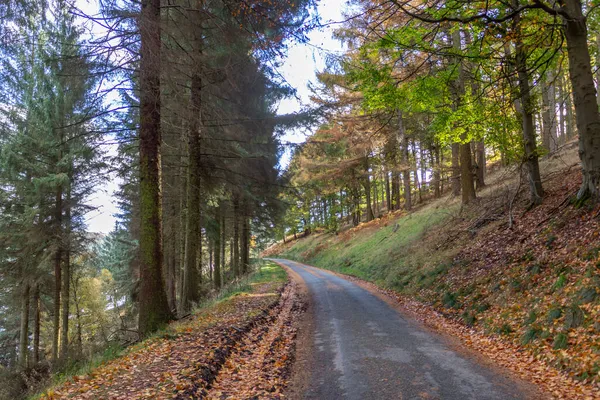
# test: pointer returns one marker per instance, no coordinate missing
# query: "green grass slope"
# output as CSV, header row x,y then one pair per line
x,y
528,276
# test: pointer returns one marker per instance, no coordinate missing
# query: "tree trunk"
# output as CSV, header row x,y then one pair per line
x,y
481,164
395,191
584,98
190,292
403,140
598,66
562,93
182,213
466,174
24,329
153,306
455,169
217,251
388,198
549,136
223,243
36,323
66,280
171,272
236,237
416,171
467,185
423,165
57,275
211,261
376,199
367,186
530,147
433,153
245,245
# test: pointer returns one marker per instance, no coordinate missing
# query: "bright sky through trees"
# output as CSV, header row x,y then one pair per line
x,y
299,69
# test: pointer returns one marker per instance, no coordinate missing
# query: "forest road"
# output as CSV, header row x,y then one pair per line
x,y
363,348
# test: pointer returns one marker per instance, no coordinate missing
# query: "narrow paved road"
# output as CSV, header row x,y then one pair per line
x,y
364,349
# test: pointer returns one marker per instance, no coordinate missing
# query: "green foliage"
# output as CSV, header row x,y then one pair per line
x,y
560,281
450,300
561,341
531,334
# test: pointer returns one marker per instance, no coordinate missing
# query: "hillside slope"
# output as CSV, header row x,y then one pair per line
x,y
530,277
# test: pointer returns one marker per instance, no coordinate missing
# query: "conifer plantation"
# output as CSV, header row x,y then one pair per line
x,y
177,102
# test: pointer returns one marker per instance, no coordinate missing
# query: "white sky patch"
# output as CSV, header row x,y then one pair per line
x,y
299,69
302,63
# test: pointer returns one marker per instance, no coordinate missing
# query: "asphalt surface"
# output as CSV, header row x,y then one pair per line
x,y
365,349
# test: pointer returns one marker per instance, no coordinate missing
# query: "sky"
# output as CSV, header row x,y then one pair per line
x,y
299,69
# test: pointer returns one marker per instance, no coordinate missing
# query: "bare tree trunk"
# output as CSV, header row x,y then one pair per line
x,y
598,66
211,261
57,275
466,174
467,185
423,164
531,153
171,270
433,154
585,99
153,306
562,110
245,248
223,243
236,236
455,169
480,162
403,140
217,251
376,199
395,191
367,186
36,323
24,329
549,136
66,280
416,171
388,198
190,292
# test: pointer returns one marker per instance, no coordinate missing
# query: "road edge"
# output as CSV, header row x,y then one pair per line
x,y
304,348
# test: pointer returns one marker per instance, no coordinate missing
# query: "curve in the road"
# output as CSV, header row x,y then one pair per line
x,y
365,349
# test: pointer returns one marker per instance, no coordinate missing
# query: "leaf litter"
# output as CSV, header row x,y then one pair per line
x,y
243,346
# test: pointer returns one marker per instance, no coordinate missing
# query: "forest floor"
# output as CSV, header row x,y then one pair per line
x,y
241,347
520,284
